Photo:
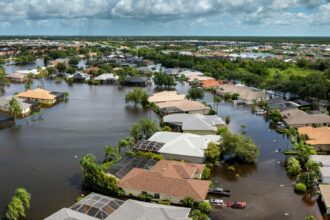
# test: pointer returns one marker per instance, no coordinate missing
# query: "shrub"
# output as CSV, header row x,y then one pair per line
x,y
145,197
149,155
188,202
310,217
227,119
231,168
212,154
293,166
167,128
206,173
204,207
300,188
164,202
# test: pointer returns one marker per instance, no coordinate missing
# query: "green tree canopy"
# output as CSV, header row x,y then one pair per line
x,y
195,93
212,154
164,80
137,96
239,146
14,108
144,129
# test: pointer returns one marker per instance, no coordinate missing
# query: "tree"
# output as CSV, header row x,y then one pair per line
x,y
51,70
24,196
74,61
216,101
46,60
240,147
243,129
212,154
29,82
227,119
164,80
61,67
138,96
144,129
275,116
111,153
195,93
303,152
309,179
310,217
18,205
95,179
204,207
188,202
312,166
125,143
3,78
14,108
294,167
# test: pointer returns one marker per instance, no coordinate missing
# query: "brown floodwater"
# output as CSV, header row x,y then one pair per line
x,y
42,154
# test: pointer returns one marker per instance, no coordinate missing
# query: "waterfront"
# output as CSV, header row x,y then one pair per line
x,y
43,156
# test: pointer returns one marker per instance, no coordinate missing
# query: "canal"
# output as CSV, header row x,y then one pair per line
x,y
43,155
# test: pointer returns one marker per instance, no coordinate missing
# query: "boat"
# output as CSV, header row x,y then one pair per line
x,y
237,204
220,191
260,111
217,202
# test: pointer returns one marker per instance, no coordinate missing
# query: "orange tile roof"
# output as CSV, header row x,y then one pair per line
x,y
155,182
316,136
36,94
210,83
178,169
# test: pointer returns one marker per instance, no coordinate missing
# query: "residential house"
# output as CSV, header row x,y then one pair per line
x,y
178,146
40,95
100,207
17,77
182,106
298,118
106,78
247,95
194,123
318,137
198,78
281,104
323,160
179,169
325,195
210,84
170,71
136,81
164,185
166,96
191,73
26,108
79,77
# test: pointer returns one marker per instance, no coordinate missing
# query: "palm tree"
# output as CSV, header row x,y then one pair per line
x,y
24,196
15,209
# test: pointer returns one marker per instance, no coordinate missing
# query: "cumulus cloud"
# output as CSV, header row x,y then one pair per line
x,y
251,12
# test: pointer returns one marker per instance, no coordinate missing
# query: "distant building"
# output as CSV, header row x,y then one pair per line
x,y
318,137
298,118
166,96
106,78
26,108
136,81
280,104
247,95
182,106
194,123
39,95
17,77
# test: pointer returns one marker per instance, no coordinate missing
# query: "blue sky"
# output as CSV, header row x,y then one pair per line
x,y
166,17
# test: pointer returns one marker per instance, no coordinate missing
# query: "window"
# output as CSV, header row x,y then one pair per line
x,y
156,196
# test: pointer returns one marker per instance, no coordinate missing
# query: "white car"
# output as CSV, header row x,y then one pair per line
x,y
217,202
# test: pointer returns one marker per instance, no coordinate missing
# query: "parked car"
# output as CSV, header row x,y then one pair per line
x,y
220,191
237,204
217,202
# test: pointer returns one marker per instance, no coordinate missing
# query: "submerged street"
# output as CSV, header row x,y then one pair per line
x,y
43,155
